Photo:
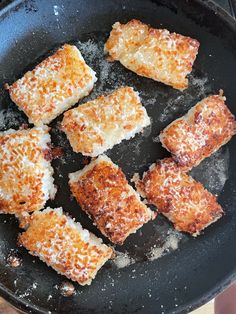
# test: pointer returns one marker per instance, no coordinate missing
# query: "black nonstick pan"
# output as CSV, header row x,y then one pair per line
x,y
190,271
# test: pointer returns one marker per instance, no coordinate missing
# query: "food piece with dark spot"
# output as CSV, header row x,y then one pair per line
x,y
103,192
180,198
202,131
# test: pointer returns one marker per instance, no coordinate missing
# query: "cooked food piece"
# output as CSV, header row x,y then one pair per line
x,y
64,245
155,53
53,86
98,125
104,194
26,180
185,202
201,132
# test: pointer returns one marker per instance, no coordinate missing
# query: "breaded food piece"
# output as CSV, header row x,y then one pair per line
x,y
184,201
155,53
98,125
104,194
64,245
55,85
26,177
201,132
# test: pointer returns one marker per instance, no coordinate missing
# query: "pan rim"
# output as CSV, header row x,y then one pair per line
x,y
27,307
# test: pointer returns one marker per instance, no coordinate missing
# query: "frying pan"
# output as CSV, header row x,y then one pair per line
x,y
184,277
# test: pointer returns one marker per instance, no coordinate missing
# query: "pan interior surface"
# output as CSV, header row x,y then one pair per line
x,y
157,270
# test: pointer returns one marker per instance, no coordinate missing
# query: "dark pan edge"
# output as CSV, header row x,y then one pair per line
x,y
208,296
211,5
232,8
19,304
6,8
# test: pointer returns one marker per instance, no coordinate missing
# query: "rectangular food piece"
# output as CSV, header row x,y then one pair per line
x,y
98,125
184,201
26,177
64,245
202,131
104,194
55,85
155,53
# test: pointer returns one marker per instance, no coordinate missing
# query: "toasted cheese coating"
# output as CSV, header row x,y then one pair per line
x,y
104,194
185,202
155,53
26,180
55,85
64,245
201,132
98,125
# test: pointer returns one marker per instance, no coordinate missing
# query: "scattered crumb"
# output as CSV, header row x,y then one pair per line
x,y
57,152
85,161
122,260
13,259
24,126
35,285
135,178
67,289
55,9
27,292
156,139
49,297
171,243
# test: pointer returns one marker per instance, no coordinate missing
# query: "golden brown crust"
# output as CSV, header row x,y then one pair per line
x,y
25,176
56,240
105,195
97,125
185,202
197,135
154,53
53,86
